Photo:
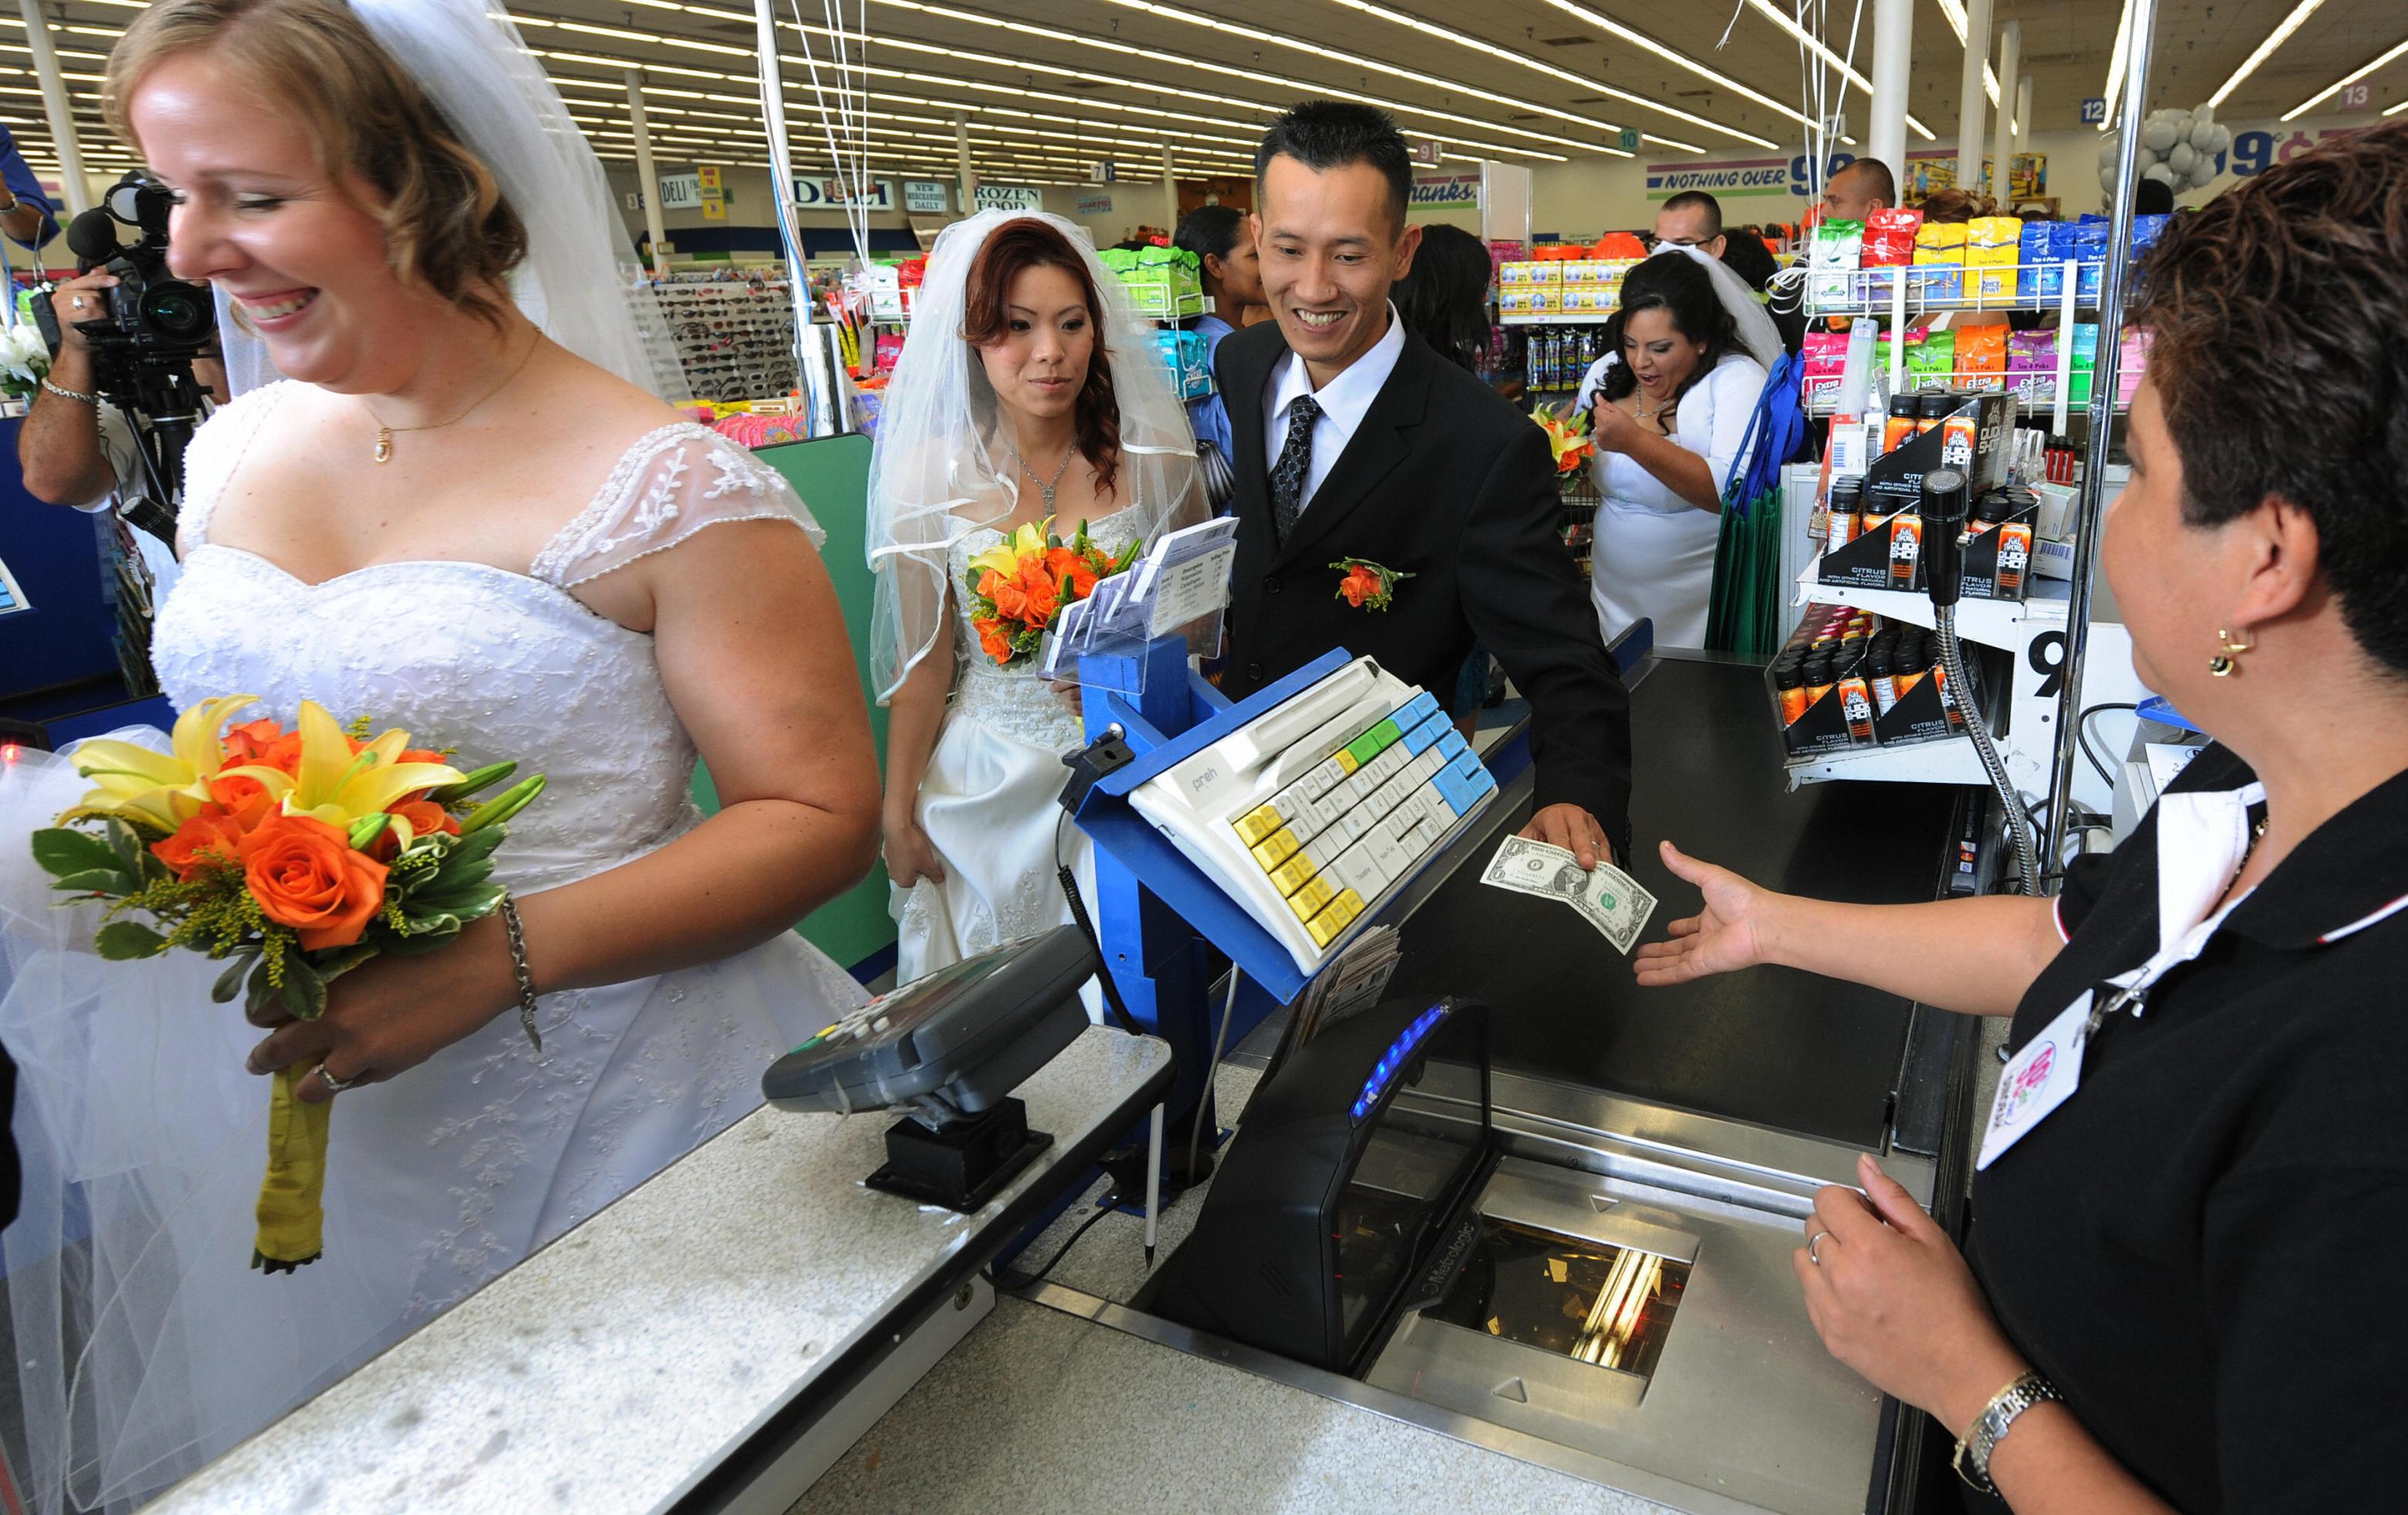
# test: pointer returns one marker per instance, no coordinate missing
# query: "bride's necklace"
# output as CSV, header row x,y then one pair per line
x,y
1044,487
385,434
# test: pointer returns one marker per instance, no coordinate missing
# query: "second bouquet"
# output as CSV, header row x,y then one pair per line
x,y
1018,587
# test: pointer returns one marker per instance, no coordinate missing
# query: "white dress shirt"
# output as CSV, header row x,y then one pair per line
x,y
1344,400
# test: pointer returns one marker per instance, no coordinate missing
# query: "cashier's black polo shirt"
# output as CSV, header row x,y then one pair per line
x,y
2206,1247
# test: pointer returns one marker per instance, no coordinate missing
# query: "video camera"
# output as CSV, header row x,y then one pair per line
x,y
153,325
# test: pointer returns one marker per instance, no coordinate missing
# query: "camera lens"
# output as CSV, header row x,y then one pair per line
x,y
177,311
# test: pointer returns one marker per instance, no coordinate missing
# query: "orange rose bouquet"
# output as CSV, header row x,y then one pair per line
x,y
1018,588
294,857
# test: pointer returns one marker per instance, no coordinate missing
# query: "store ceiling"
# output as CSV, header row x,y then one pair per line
x,y
1051,87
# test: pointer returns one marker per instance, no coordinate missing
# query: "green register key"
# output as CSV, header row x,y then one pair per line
x,y
1364,747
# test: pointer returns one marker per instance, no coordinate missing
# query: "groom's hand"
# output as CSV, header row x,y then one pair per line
x,y
1572,829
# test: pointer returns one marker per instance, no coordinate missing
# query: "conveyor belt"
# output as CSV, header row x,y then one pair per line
x,y
1771,1046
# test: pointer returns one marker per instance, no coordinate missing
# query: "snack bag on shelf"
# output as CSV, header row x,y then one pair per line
x,y
1619,247
2130,361
1932,361
2084,339
2089,249
1939,262
1889,243
1992,243
1982,355
2032,366
1827,362
2146,231
2039,278
1832,274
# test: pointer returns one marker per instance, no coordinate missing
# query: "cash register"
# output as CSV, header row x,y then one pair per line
x,y
949,1048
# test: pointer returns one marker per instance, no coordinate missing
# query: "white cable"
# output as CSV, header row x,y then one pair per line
x,y
1211,1072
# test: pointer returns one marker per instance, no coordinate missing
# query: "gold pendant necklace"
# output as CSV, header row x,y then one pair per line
x,y
385,434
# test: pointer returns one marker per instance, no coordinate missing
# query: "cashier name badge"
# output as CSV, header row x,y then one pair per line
x,y
2042,1077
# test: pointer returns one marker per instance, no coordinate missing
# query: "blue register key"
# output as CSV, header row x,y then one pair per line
x,y
1427,735
1452,745
1414,710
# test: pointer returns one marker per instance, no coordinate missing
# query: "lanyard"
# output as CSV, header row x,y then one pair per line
x,y
2203,842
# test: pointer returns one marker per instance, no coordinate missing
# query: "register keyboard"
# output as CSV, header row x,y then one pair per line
x,y
1311,814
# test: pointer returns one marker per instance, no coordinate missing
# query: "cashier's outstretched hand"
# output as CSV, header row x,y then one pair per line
x,y
1572,829
1727,936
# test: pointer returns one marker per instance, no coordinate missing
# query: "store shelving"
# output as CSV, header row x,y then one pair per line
x,y
735,339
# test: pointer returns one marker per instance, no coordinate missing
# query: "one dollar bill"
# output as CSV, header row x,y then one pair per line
x,y
1605,897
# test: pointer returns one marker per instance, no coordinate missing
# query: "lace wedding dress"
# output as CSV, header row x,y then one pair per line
x,y
138,1320
991,801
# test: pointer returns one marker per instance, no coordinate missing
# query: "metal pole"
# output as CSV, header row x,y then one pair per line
x,y
1169,193
54,107
2010,47
2088,505
1893,40
813,363
1969,120
969,176
2023,111
648,179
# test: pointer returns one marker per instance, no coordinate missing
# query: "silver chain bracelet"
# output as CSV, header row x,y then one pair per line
x,y
519,965
66,394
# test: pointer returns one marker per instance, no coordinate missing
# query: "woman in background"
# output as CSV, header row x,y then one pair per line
x,y
1670,404
1232,279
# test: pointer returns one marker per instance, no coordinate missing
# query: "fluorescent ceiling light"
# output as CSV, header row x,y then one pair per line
x,y
2348,79
1352,60
1673,55
1538,65
2115,65
1252,76
2280,35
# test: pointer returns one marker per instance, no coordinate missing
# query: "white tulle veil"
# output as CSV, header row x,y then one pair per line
x,y
577,284
1756,332
942,469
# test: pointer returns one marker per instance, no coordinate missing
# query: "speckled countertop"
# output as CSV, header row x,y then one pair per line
x,y
1037,1409
611,1368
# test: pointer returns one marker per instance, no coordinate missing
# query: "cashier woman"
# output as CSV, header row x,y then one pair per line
x,y
2183,1283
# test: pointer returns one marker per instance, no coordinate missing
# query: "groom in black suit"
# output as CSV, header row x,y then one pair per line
x,y
1355,440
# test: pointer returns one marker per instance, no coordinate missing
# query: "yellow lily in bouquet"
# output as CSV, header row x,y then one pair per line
x,y
294,857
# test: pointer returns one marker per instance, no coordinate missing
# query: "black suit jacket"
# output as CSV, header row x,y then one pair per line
x,y
1448,482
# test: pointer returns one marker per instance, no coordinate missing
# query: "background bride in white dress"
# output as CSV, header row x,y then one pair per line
x,y
552,568
1027,389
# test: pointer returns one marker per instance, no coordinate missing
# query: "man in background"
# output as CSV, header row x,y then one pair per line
x,y
1691,219
1859,190
28,217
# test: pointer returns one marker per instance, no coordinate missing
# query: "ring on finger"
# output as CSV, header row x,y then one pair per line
x,y
335,1085
1813,1242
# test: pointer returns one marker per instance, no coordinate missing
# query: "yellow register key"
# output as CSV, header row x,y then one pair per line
x,y
1293,874
1308,901
1341,914
1276,849
1257,824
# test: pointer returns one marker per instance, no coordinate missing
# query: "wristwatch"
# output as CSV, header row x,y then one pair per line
x,y
1978,1443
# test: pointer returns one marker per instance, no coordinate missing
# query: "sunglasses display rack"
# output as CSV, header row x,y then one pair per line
x,y
735,340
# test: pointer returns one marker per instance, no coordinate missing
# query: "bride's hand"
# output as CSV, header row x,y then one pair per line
x,y
389,1014
911,856
1729,935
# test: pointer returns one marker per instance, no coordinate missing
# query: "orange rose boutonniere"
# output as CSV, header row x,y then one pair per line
x,y
1366,585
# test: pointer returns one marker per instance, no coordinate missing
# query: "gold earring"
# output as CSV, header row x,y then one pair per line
x,y
2223,665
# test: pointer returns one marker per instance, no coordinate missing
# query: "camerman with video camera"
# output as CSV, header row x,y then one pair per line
x,y
75,447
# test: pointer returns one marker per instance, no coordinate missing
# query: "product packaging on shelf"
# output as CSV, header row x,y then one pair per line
x,y
2040,278
1827,362
1939,275
2032,366
1886,551
1848,680
2084,339
1999,545
1931,356
1992,245
2089,236
1982,355
1831,273
1888,244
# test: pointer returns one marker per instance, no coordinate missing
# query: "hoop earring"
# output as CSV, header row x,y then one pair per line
x,y
2224,663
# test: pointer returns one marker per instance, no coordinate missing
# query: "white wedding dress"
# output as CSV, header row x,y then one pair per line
x,y
991,801
143,1133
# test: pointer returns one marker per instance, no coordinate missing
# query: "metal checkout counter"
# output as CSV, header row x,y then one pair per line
x,y
1589,1305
